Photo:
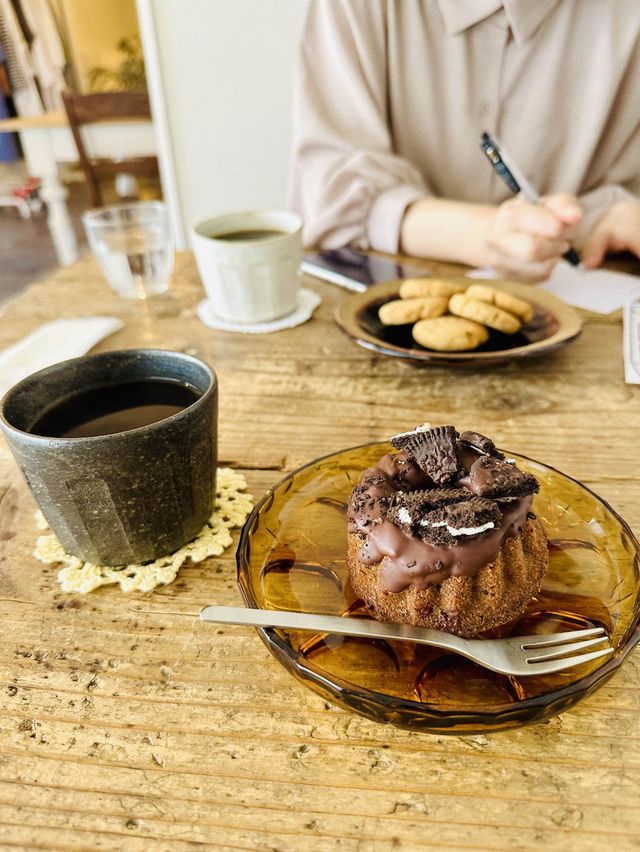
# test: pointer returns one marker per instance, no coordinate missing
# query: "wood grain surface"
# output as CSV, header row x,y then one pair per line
x,y
128,724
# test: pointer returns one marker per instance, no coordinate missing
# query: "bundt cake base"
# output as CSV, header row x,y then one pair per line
x,y
468,605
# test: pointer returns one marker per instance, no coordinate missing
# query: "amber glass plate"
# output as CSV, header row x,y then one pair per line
x,y
292,556
554,324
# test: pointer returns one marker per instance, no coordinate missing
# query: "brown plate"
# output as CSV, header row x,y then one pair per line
x,y
292,556
554,324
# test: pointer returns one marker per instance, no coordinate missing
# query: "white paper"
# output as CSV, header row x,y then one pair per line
x,y
51,343
598,290
631,345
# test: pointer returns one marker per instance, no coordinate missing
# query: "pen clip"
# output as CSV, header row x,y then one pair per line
x,y
492,152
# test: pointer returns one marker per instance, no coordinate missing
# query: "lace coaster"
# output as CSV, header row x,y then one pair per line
x,y
232,509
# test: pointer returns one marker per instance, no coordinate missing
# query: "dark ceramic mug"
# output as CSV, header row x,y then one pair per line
x,y
125,497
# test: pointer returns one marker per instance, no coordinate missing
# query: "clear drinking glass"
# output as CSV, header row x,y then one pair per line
x,y
134,246
634,334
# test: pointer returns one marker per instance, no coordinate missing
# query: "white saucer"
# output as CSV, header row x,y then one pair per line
x,y
308,301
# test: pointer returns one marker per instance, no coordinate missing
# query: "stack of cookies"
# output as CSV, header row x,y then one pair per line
x,y
449,317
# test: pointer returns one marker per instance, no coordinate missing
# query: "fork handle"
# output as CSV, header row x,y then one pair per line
x,y
366,627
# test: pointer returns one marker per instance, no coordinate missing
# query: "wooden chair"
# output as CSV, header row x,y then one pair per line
x,y
104,107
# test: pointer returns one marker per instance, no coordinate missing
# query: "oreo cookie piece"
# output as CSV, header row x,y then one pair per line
x,y
406,510
495,478
435,451
481,443
471,514
460,522
433,498
402,517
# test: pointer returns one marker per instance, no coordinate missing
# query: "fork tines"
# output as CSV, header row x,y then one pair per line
x,y
558,651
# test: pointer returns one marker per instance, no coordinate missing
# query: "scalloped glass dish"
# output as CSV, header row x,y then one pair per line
x,y
291,555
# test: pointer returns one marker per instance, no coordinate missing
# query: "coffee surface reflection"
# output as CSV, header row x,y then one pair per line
x,y
115,408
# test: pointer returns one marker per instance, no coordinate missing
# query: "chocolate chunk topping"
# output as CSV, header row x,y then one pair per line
x,y
492,477
406,472
365,502
369,499
435,451
481,443
372,477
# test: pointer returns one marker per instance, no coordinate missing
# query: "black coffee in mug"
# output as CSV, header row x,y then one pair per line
x,y
253,236
115,408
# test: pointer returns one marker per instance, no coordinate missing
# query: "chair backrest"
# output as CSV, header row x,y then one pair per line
x,y
104,107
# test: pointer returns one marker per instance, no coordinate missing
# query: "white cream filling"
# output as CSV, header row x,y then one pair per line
x,y
463,530
510,461
424,427
403,516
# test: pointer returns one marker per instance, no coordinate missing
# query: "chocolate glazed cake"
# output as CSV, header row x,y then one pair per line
x,y
441,534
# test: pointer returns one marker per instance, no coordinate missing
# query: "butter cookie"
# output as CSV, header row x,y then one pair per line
x,y
473,309
449,334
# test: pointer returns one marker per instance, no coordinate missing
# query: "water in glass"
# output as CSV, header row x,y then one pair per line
x,y
133,244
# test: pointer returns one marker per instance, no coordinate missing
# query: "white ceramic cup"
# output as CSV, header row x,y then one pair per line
x,y
250,280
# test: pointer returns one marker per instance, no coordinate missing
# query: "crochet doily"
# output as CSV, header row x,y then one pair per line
x,y
233,506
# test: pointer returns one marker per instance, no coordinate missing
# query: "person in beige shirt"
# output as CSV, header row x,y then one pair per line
x,y
393,95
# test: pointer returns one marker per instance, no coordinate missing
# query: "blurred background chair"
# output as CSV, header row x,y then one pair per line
x,y
103,107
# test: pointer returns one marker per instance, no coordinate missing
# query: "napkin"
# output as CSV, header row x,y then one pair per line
x,y
50,343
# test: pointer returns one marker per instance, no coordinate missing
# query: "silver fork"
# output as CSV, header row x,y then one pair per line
x,y
520,655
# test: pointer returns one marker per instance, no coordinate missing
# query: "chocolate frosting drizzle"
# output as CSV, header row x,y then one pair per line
x,y
440,507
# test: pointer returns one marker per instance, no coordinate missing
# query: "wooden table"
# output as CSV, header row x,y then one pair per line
x,y
128,724
47,142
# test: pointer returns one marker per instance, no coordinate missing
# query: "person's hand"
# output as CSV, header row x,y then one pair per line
x,y
526,240
618,230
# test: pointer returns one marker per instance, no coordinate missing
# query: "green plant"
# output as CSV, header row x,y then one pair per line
x,y
128,76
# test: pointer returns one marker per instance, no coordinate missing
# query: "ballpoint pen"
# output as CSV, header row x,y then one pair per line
x,y
507,171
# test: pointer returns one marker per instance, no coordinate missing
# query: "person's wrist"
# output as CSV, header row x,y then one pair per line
x,y
447,230
409,228
486,228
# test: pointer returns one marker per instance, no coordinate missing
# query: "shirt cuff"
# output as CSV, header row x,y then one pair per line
x,y
386,215
595,204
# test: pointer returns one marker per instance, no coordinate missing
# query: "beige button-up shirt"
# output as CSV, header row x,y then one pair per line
x,y
392,96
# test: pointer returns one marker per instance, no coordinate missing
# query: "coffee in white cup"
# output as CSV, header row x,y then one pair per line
x,y
249,264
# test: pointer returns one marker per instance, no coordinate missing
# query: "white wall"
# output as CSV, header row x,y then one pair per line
x,y
93,30
220,75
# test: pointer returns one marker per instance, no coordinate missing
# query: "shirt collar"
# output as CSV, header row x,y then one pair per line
x,y
524,16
